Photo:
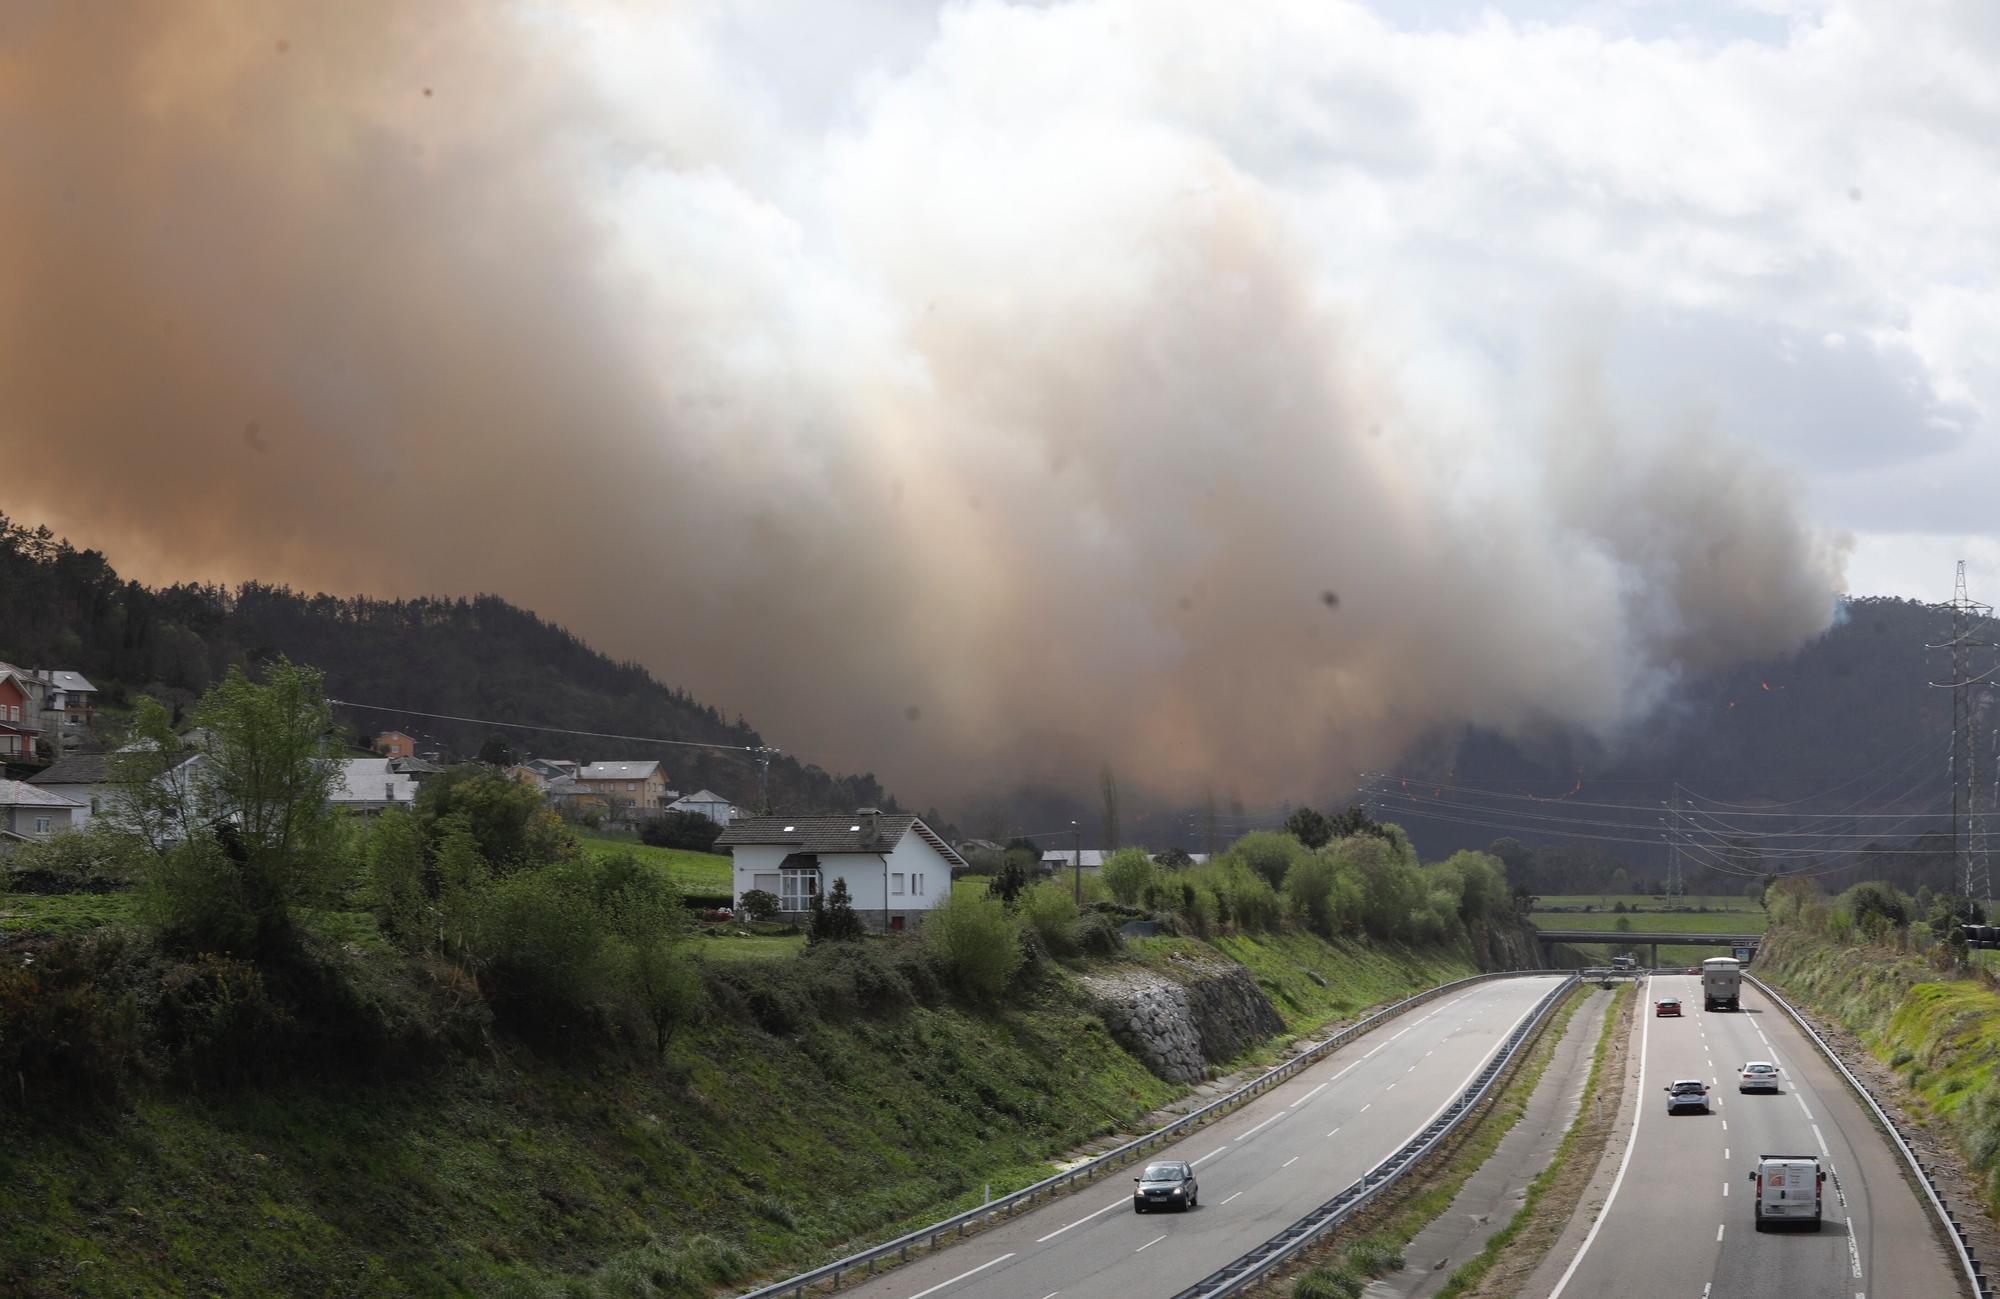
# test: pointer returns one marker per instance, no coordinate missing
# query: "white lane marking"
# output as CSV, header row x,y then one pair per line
x,y
1211,1154
1718,1229
1391,1087
962,1275
1725,1190
1331,1133
1411,1069
1245,1136
1365,1108
1428,1054
1378,1047
1142,1249
1051,1294
1725,1125
1853,1250
1725,1152
1289,1162
1080,1221
1817,1136
1314,1092
1802,1105
1404,1031
1625,1162
1230,1198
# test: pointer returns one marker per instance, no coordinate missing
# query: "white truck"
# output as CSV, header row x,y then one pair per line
x,y
1789,1188
1721,984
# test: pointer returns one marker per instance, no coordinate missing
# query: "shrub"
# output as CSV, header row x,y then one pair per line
x,y
1096,934
511,825
69,1029
761,904
1322,1281
833,917
1126,873
1374,1255
1268,853
539,945
218,1024
689,830
977,941
1309,894
1049,909
92,860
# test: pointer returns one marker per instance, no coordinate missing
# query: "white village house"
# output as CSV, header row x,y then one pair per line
x,y
896,867
86,780
28,813
705,802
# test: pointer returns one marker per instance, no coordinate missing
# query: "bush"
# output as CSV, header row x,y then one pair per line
x,y
96,859
1309,895
689,830
1322,1281
1096,934
833,917
218,1024
69,1029
1049,909
539,945
761,904
1268,853
1126,873
977,941
513,828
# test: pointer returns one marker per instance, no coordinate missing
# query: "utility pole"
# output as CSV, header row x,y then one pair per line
x,y
1076,845
764,753
1964,638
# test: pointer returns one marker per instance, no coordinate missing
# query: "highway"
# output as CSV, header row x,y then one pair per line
x,y
1260,1168
1678,1222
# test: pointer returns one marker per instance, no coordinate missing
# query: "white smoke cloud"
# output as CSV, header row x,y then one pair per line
x,y
1035,372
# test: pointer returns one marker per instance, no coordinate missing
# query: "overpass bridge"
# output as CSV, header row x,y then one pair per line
x,y
1653,939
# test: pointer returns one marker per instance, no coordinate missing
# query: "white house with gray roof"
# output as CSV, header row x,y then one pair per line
x,y
896,867
28,813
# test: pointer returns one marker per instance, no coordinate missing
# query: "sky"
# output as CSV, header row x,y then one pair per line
x,y
967,392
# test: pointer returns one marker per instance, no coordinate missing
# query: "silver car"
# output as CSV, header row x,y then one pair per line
x,y
1687,1094
1165,1184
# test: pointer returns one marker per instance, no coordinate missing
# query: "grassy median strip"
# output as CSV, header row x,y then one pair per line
x,y
1370,1243
1470,1273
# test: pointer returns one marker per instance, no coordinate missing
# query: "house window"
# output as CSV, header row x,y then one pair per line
x,y
43,825
800,887
916,883
896,882
631,785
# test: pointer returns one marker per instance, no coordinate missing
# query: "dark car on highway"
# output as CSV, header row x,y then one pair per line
x,y
1166,1184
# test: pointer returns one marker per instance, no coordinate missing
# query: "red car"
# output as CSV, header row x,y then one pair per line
x,y
1668,1006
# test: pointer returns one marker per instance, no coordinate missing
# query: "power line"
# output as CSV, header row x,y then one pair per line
x,y
558,730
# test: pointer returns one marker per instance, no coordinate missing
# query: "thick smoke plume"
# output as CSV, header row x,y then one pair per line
x,y
1003,409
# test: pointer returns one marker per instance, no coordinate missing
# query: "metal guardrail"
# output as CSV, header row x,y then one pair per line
x,y
1256,1266
1967,1261
898,1250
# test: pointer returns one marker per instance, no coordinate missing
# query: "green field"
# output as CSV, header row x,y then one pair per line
x,y
1726,915
697,872
1675,922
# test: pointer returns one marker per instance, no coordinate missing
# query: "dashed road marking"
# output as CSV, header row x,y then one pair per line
x,y
1244,1136
1230,1198
1211,1154
962,1275
1314,1092
1718,1229
1331,1133
1080,1221
1289,1162
1142,1249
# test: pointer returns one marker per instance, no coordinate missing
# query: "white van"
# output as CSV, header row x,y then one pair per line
x,y
1789,1189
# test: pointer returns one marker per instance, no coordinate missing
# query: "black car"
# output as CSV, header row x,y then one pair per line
x,y
1166,1184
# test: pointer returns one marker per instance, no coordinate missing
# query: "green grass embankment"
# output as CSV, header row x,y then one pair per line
x,y
508,1174
1942,1034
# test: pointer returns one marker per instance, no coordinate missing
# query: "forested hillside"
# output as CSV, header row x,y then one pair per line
x,y
1834,758
480,657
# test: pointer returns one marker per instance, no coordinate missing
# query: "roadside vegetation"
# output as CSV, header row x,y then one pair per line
x,y
1891,968
251,1046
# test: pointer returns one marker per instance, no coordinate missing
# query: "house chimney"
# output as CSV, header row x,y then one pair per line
x,y
870,816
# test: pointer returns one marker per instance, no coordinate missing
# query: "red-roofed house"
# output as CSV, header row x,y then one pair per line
x,y
19,727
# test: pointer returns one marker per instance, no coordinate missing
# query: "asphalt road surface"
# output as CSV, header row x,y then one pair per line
x,y
1678,1224
1260,1169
